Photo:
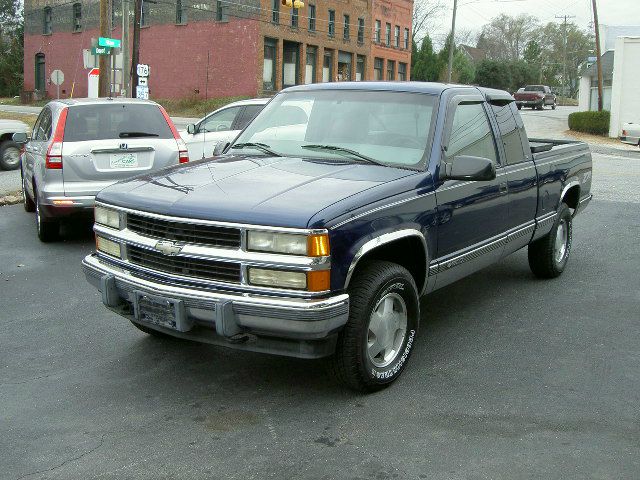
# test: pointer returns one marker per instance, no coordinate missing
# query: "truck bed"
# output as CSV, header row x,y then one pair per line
x,y
543,148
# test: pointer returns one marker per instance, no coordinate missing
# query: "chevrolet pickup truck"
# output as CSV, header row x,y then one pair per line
x,y
317,230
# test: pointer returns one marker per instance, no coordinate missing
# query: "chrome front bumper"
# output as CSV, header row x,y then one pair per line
x,y
298,327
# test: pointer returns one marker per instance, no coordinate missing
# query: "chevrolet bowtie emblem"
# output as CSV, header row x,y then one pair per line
x,y
168,248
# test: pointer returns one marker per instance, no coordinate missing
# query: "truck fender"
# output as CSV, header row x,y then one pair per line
x,y
567,193
384,239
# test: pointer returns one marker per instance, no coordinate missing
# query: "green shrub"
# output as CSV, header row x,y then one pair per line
x,y
590,122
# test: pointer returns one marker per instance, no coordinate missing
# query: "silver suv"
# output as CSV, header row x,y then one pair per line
x,y
81,146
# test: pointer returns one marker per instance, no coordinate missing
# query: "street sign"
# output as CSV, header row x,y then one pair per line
x,y
57,77
143,81
100,51
92,79
142,92
142,70
108,42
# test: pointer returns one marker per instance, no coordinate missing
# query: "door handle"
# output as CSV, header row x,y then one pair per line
x,y
503,188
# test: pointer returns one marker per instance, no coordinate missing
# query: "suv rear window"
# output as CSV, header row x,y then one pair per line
x,y
115,121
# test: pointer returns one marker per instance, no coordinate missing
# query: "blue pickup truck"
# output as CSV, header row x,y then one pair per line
x,y
317,230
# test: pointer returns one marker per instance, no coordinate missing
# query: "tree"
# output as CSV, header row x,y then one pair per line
x,y
493,74
505,37
425,64
11,47
426,13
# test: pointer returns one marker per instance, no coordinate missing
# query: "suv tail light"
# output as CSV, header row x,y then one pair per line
x,y
53,159
183,153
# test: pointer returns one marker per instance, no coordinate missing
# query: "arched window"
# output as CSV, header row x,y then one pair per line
x,y
40,72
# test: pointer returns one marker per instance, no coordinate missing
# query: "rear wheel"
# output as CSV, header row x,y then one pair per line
x,y
375,344
9,155
519,107
549,255
48,228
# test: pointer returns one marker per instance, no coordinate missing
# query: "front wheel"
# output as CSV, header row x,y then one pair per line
x,y
548,256
9,155
384,313
519,107
553,106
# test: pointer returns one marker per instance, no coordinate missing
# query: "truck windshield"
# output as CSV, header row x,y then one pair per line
x,y
390,128
534,88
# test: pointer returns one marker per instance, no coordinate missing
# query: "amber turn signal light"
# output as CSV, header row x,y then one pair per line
x,y
318,245
318,280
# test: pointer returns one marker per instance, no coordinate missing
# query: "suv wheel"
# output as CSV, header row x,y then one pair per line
x,y
384,312
29,205
48,228
548,256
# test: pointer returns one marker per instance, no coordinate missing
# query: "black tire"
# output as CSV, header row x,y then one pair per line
x,y
151,331
541,106
519,107
545,258
553,106
48,228
28,204
372,284
7,154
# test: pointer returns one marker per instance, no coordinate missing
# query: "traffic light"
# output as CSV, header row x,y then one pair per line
x,y
286,3
297,4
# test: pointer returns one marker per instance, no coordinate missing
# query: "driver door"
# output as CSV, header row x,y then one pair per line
x,y
220,125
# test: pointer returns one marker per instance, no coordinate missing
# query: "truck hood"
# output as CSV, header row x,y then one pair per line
x,y
278,191
13,126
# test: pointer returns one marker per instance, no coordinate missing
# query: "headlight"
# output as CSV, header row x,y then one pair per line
x,y
107,217
288,243
108,246
278,278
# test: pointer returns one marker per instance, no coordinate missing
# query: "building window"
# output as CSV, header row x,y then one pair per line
x,y
387,35
114,15
402,71
275,11
144,14
327,66
361,30
269,66
360,68
46,21
294,17
396,37
344,66
221,11
406,39
181,13
346,27
77,17
376,35
391,66
40,72
290,57
312,18
312,58
332,23
377,69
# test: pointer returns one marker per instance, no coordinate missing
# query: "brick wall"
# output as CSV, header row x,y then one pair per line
x,y
394,12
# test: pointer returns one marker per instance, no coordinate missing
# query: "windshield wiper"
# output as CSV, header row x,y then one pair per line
x,y
263,147
137,134
344,152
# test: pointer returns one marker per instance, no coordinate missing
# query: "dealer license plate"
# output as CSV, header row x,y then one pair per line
x,y
123,160
157,310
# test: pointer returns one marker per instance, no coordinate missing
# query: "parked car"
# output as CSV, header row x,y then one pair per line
x,y
223,124
10,150
631,133
80,146
320,241
536,97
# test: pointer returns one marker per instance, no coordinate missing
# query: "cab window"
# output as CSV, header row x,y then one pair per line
x,y
220,121
471,133
509,133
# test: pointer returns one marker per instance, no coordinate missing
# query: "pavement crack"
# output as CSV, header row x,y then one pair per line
x,y
69,460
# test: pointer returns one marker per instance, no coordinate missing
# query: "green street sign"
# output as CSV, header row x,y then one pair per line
x,y
109,42
100,51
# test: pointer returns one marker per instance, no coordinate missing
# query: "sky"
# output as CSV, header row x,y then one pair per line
x,y
473,14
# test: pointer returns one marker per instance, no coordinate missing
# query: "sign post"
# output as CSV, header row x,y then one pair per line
x,y
57,78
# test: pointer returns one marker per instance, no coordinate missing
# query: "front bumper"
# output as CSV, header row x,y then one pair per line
x,y
630,140
297,327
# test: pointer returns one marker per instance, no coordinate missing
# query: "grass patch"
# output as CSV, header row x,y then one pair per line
x,y
194,106
23,117
16,101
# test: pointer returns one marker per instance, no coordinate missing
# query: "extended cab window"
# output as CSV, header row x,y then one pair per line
x,y
510,133
471,133
220,121
43,129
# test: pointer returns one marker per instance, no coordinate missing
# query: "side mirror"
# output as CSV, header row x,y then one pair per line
x,y
466,167
20,138
220,148
191,129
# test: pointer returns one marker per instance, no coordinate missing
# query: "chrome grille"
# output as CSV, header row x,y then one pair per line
x,y
185,266
226,237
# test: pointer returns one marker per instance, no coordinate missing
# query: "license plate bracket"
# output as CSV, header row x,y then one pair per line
x,y
161,311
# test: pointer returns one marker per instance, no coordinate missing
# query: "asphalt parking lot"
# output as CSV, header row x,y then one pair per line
x,y
512,377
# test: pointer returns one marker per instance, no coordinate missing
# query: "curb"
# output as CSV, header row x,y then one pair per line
x,y
620,152
11,198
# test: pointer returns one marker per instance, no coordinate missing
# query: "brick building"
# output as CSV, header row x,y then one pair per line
x,y
225,47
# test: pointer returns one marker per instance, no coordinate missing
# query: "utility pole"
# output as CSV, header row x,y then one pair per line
x,y
598,62
103,78
126,67
452,43
564,59
135,56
